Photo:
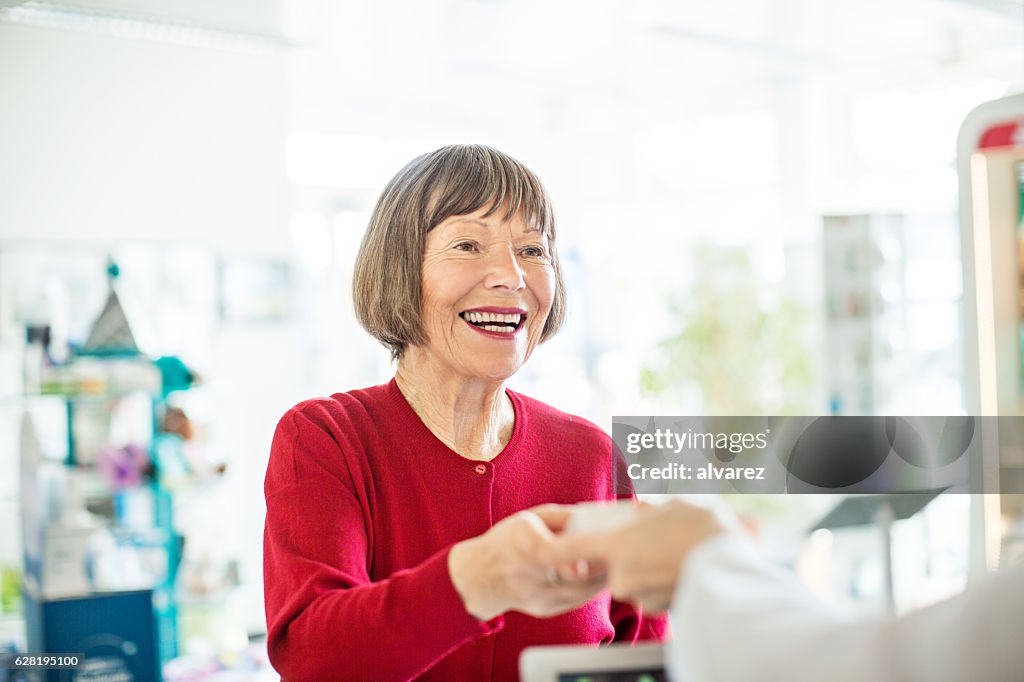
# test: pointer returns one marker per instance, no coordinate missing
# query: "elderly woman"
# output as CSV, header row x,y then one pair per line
x,y
403,534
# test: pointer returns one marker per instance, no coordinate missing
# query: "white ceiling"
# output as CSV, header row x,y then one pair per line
x,y
417,67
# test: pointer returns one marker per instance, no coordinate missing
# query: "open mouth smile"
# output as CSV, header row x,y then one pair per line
x,y
501,322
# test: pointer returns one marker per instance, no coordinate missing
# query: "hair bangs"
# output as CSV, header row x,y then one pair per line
x,y
475,177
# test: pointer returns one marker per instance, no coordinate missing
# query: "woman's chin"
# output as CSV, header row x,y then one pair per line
x,y
497,370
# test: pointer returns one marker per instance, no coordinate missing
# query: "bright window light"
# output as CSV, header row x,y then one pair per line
x,y
311,236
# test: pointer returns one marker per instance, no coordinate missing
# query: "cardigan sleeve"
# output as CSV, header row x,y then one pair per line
x,y
633,625
324,615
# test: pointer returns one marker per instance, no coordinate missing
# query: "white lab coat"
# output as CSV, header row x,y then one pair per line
x,y
738,618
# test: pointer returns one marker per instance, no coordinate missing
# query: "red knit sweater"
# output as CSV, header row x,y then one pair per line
x,y
363,505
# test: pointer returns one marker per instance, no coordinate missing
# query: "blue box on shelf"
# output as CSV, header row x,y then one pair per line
x,y
117,633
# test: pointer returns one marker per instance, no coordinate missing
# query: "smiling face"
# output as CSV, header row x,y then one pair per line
x,y
487,288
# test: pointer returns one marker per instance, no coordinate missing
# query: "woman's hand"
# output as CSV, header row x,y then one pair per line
x,y
643,558
513,566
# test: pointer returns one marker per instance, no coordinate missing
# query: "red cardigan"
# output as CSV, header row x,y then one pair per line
x,y
363,505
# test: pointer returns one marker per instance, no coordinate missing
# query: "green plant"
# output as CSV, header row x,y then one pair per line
x,y
10,589
742,342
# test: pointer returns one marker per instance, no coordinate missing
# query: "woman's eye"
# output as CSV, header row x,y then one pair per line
x,y
466,246
533,252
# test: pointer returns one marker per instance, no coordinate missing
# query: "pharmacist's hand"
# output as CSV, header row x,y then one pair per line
x,y
644,557
513,567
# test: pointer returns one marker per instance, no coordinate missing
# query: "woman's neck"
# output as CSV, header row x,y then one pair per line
x,y
472,416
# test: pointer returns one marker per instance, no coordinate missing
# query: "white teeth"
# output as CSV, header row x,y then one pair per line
x,y
480,317
500,330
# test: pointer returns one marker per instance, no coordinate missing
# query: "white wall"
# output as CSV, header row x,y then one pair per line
x,y
108,138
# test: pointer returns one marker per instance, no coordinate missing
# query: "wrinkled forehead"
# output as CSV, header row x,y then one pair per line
x,y
493,224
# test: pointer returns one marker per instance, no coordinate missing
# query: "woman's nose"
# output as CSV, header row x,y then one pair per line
x,y
504,270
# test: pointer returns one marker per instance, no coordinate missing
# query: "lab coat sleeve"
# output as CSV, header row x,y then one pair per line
x,y
737,617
